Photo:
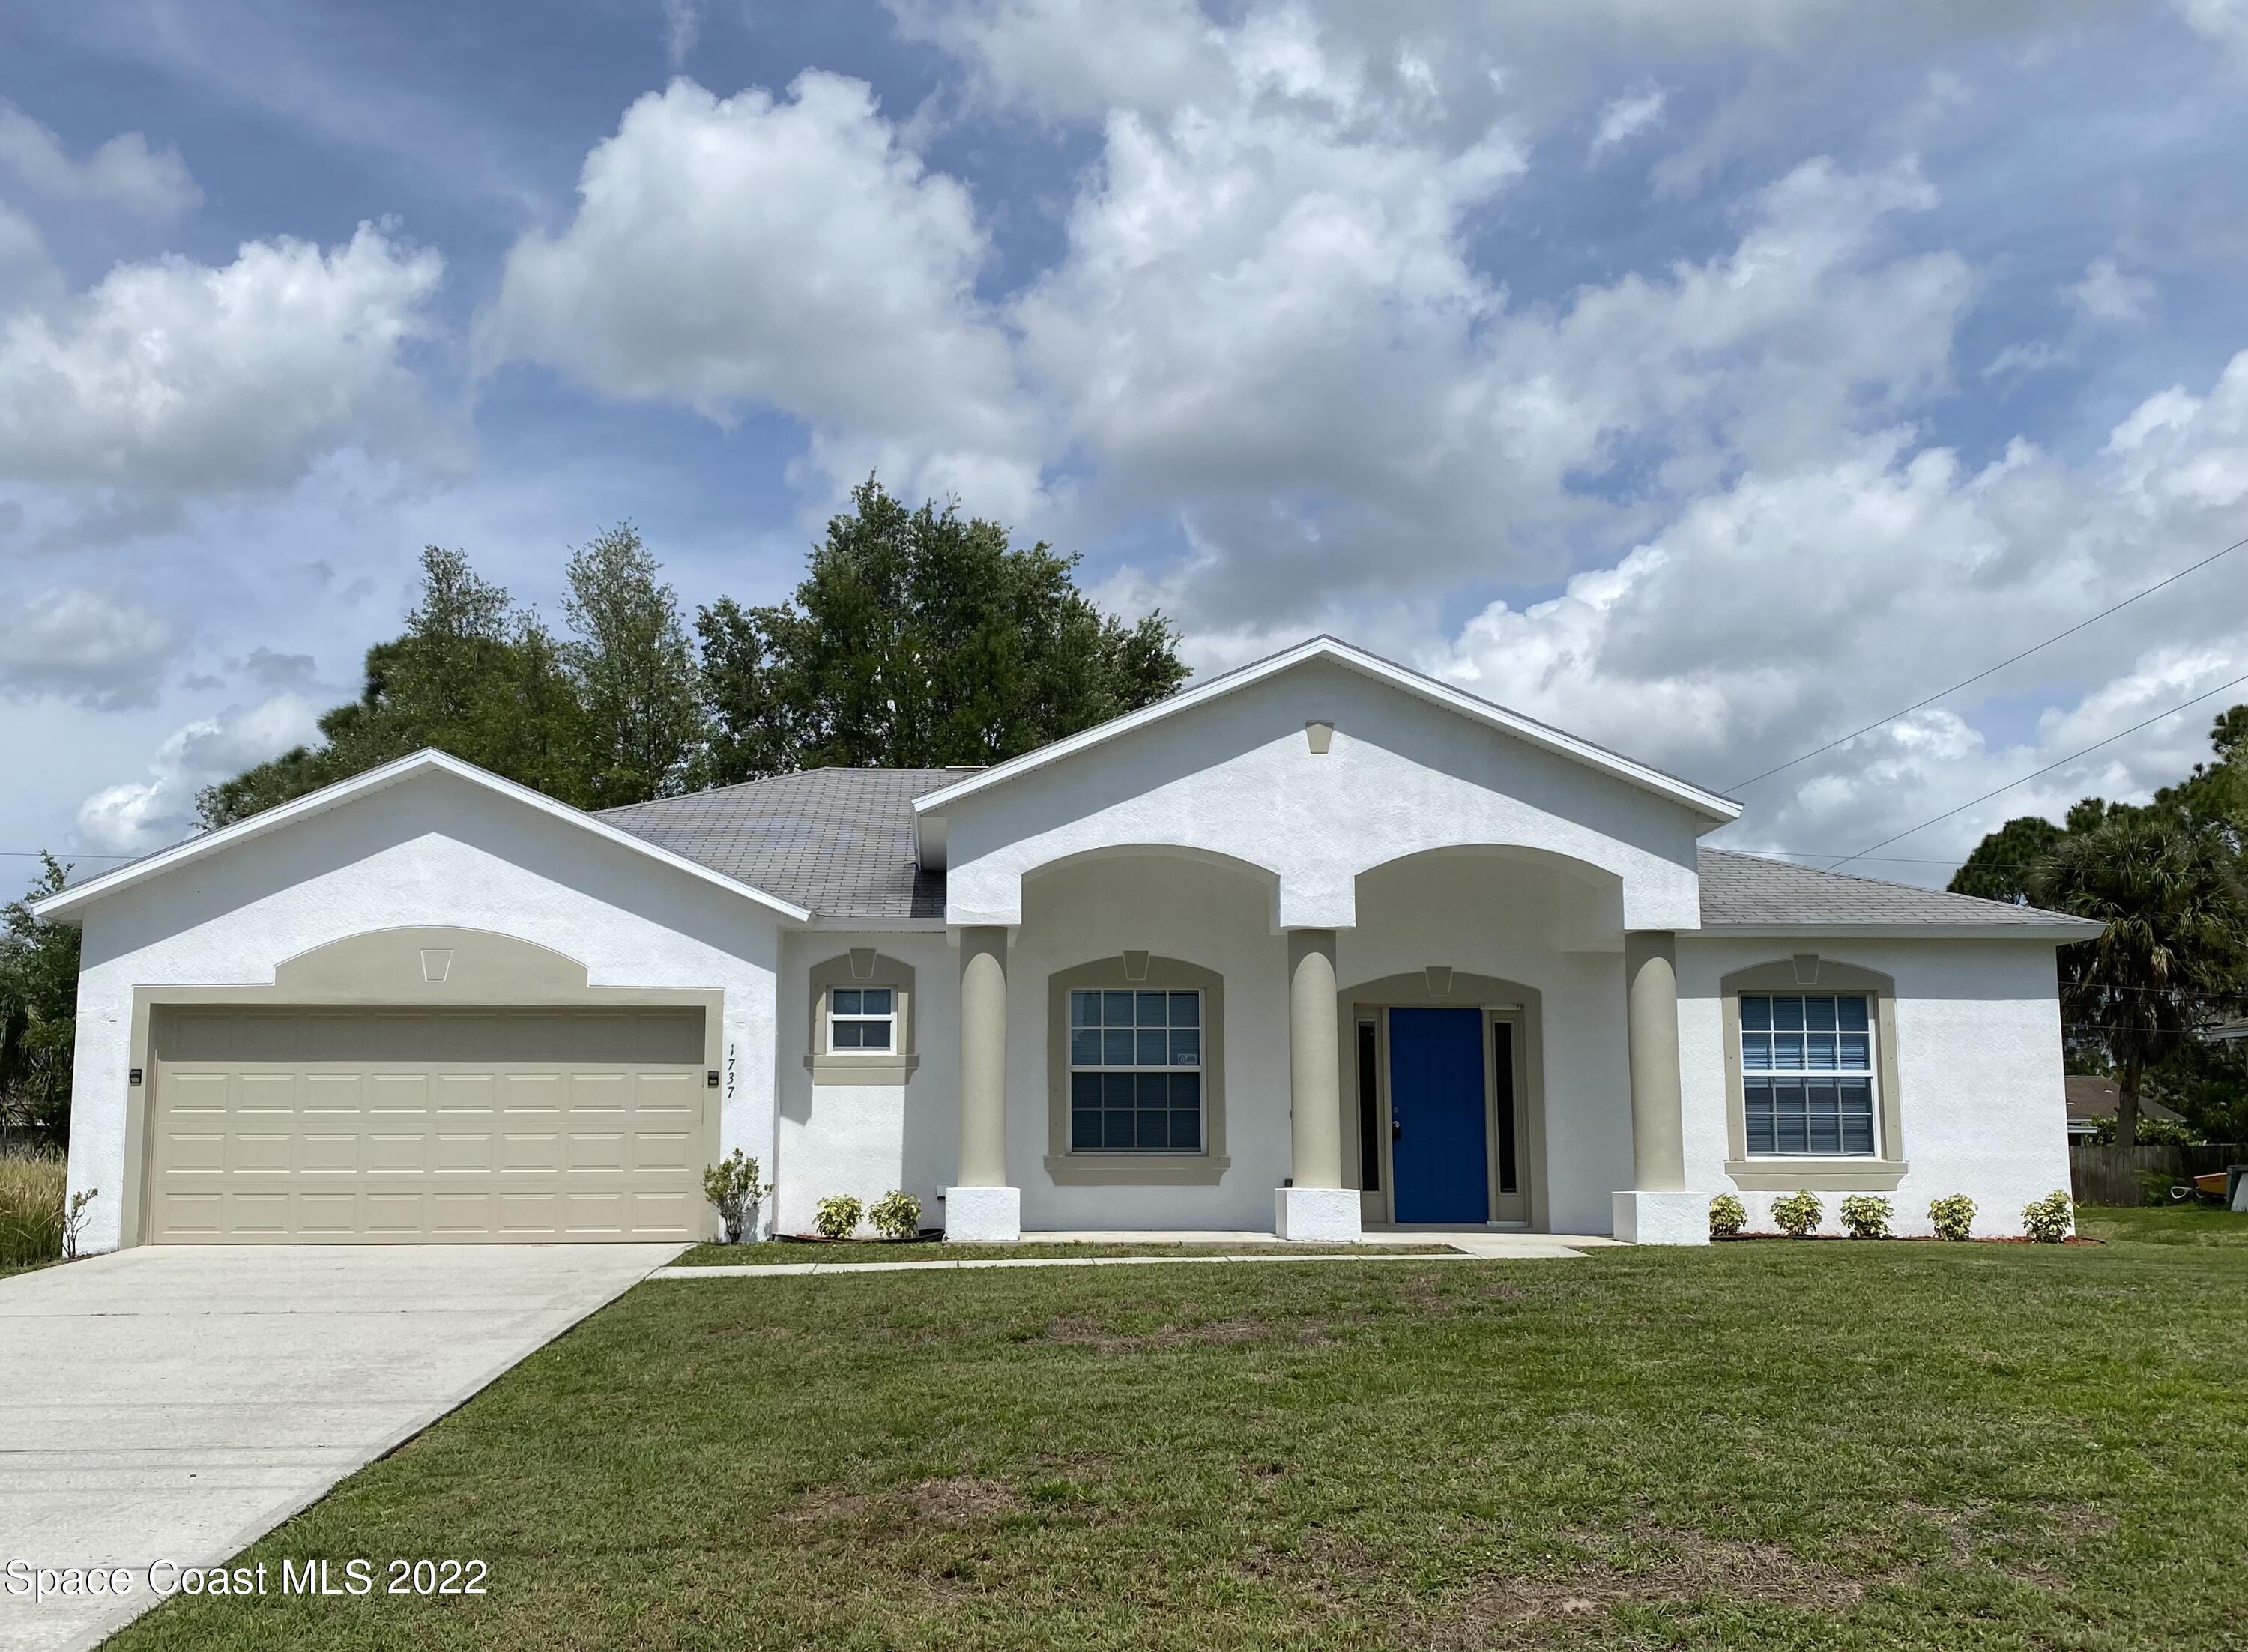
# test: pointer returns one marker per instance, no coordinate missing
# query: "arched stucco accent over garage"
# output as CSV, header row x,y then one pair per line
x,y
433,965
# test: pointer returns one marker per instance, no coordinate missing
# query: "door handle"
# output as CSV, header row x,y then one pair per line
x,y
1396,1129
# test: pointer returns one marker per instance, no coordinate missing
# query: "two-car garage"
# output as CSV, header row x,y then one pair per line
x,y
452,1124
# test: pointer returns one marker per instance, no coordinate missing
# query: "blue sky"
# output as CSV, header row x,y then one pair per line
x,y
1709,379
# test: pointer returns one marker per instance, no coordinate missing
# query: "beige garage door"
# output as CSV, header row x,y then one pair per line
x,y
455,1126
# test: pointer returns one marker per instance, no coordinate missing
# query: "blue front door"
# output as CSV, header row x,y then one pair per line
x,y
1436,1114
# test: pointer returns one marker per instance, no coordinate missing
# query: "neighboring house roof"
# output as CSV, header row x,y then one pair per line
x,y
2091,1096
1717,810
70,902
839,842
1751,893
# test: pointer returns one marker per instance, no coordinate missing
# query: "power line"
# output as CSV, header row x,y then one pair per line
x,y
1980,675
2058,764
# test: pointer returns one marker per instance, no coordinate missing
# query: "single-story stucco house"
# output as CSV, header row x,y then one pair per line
x,y
1318,944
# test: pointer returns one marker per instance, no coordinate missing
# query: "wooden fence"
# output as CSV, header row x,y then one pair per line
x,y
2119,1175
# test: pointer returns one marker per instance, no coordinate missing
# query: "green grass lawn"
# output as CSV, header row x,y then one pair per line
x,y
2196,1223
784,1254
1770,1446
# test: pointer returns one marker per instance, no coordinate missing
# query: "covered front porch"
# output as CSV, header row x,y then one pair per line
x,y
1484,1049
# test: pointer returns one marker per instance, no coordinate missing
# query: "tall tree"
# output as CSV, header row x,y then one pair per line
x,y
2174,941
634,671
38,1009
921,638
610,715
2001,866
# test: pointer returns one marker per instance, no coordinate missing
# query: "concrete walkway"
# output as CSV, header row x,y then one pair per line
x,y
174,1404
1385,1247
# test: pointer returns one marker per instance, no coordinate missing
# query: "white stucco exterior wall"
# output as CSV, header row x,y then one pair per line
x,y
1218,917
867,1139
1493,916
1979,1073
1236,776
432,849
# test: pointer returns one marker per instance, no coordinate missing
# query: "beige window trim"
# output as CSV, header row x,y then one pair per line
x,y
1879,1174
862,1066
1205,1168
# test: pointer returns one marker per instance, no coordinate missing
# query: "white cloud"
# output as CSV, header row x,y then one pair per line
x,y
682,24
101,648
138,815
1626,118
1076,59
173,376
790,252
2107,296
123,173
1268,315
2223,21
1788,608
2022,358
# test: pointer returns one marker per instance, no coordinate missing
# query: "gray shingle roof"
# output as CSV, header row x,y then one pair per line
x,y
1750,889
839,842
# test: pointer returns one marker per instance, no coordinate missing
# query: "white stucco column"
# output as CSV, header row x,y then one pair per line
x,y
1316,1205
981,1206
1657,1210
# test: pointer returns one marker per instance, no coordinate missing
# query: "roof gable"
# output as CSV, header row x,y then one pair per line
x,y
72,901
929,807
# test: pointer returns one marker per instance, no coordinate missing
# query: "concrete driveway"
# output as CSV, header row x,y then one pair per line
x,y
171,1404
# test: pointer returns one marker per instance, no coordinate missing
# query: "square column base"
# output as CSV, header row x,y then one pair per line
x,y
983,1215
1328,1215
1660,1218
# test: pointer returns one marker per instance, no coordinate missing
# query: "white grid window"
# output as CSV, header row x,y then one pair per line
x,y
862,1019
1807,1074
1135,1070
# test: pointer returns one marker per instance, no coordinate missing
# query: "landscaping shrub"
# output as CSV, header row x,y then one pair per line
x,y
1799,1213
837,1216
732,1186
896,1214
31,1210
2049,1220
1953,1216
1728,1216
1866,1215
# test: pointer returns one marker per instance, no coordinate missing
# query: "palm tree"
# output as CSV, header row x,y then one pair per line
x,y
2175,944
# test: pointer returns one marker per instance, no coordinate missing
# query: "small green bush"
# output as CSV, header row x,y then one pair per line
x,y
2051,1219
1728,1216
733,1187
896,1214
837,1216
1953,1217
1866,1215
1798,1214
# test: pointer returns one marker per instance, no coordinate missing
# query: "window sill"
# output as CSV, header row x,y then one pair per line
x,y
882,1069
1816,1175
1136,1169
